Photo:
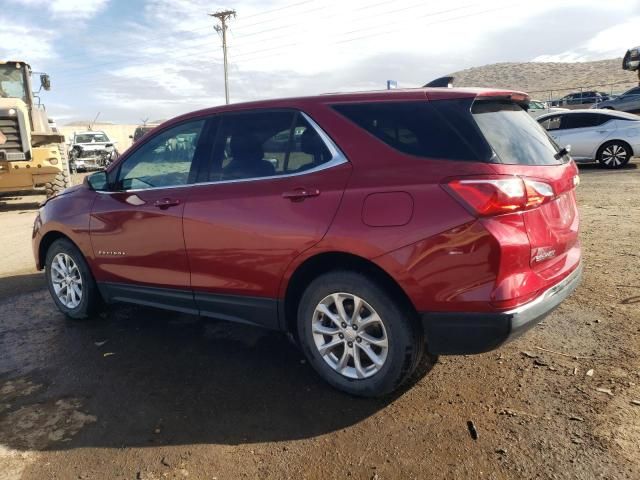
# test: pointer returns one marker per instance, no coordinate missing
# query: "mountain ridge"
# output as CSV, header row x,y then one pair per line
x,y
550,79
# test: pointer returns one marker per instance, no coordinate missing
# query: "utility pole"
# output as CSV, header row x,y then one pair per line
x,y
224,16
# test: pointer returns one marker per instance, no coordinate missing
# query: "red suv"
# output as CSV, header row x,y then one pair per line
x,y
371,226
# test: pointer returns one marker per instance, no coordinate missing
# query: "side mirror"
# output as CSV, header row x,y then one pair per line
x,y
98,181
45,81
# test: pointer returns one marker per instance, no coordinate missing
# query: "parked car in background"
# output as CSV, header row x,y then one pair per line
x,y
537,108
581,98
370,226
91,150
629,101
611,138
141,131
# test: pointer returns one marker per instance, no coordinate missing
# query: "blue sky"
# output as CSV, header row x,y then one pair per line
x,y
137,59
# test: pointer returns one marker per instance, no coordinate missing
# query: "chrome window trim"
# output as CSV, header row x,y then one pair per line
x,y
338,158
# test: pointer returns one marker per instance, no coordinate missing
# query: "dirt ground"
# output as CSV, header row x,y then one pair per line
x,y
144,394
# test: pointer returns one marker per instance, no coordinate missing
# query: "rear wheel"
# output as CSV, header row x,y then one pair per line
x,y
357,336
70,281
614,154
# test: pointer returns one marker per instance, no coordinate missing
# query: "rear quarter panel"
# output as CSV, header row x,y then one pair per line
x,y
379,169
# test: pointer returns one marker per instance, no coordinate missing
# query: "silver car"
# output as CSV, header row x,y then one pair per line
x,y
629,101
609,137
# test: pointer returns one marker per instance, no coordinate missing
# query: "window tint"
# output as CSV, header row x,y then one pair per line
x,y
515,137
633,91
264,144
582,120
440,129
164,161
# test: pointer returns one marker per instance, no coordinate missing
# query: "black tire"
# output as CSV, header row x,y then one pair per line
x,y
404,336
614,154
90,299
58,184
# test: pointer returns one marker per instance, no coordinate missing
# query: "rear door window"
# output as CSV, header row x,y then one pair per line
x,y
440,129
266,144
552,123
514,136
583,120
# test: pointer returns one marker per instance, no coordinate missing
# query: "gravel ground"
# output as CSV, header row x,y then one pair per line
x,y
140,393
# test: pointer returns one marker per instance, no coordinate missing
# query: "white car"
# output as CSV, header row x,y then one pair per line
x,y
537,108
609,137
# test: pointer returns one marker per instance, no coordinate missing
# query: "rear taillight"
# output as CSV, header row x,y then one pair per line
x,y
488,196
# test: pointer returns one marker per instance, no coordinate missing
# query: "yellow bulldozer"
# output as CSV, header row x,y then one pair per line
x,y
32,152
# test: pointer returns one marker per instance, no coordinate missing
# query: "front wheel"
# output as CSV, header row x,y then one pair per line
x,y
357,336
70,281
614,154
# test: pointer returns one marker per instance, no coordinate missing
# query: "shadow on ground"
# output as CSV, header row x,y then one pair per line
x,y
20,283
20,201
18,207
165,379
596,168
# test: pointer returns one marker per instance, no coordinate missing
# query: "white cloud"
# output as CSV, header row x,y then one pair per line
x,y
81,9
167,58
68,9
615,40
609,43
23,42
166,75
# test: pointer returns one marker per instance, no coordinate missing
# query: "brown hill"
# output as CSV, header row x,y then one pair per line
x,y
544,80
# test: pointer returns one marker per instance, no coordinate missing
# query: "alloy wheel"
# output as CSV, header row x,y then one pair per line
x,y
66,280
614,155
350,335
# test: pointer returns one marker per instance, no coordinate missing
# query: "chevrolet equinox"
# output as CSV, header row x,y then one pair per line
x,y
374,227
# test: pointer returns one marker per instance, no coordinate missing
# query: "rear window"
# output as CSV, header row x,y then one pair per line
x,y
514,136
440,129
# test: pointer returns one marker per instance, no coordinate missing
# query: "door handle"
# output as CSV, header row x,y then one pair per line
x,y
166,203
299,194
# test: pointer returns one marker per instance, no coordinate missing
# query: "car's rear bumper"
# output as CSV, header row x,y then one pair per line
x,y
455,333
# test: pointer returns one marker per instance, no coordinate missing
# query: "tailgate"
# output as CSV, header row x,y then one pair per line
x,y
522,148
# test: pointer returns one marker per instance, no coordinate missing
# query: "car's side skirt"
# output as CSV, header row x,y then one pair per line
x,y
258,311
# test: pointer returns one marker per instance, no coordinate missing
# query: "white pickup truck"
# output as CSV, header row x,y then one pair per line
x,y
91,150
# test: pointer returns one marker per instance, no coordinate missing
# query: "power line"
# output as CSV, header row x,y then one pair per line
x,y
378,33
181,33
251,55
259,32
238,48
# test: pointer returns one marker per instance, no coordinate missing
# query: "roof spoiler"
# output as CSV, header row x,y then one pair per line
x,y
442,82
509,96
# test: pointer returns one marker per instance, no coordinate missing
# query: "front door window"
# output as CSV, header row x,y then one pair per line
x,y
164,161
